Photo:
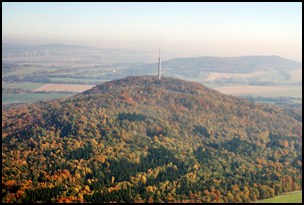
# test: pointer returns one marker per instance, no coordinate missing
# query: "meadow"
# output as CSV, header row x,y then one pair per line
x,y
292,197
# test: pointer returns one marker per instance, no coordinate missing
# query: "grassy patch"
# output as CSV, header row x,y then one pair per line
x,y
292,197
30,97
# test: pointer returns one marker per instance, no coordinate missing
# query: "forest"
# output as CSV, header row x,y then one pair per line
x,y
138,139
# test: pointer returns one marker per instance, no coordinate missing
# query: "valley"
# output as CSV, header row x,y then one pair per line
x,y
81,66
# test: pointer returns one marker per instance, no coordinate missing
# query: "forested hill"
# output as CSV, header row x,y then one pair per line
x,y
139,139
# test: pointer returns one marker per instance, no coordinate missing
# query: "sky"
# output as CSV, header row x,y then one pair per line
x,y
195,29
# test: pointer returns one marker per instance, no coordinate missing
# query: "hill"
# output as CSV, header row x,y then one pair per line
x,y
243,69
242,64
138,139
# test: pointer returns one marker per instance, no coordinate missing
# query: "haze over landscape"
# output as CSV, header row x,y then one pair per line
x,y
200,29
87,118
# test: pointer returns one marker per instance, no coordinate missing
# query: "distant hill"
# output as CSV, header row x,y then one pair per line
x,y
12,48
192,67
138,139
243,64
83,53
113,64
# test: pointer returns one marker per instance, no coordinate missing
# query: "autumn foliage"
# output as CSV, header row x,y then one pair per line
x,y
142,140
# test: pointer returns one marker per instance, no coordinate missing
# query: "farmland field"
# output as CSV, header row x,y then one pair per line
x,y
30,97
73,80
292,197
271,76
218,75
264,91
64,87
25,70
27,86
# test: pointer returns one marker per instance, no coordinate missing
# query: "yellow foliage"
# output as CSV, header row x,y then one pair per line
x,y
87,188
155,138
143,179
76,189
77,176
94,142
80,196
285,143
88,170
101,159
151,189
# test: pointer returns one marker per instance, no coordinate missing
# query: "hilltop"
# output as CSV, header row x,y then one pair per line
x,y
138,139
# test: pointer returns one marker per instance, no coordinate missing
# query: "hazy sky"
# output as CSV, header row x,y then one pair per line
x,y
200,29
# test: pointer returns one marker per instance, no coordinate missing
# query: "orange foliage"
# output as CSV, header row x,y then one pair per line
x,y
66,173
69,199
150,200
10,183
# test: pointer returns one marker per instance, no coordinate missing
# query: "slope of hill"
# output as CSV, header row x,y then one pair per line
x,y
138,139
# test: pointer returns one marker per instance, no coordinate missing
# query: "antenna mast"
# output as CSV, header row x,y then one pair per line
x,y
159,66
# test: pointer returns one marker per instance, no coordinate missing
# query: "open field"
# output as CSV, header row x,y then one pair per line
x,y
24,71
216,75
292,197
264,91
272,76
29,70
27,86
64,87
30,97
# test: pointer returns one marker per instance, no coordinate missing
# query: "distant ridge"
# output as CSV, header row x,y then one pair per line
x,y
9,46
243,64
